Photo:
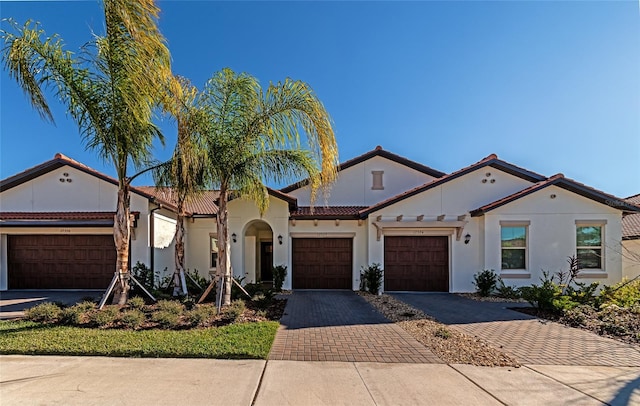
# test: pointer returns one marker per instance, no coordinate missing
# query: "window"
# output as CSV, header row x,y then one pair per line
x,y
213,247
377,180
589,246
514,246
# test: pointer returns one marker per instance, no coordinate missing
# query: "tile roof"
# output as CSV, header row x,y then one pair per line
x,y
66,215
491,160
568,184
331,212
631,222
60,160
631,227
378,151
74,218
203,204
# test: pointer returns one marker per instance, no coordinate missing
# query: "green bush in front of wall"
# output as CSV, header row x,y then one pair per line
x,y
371,278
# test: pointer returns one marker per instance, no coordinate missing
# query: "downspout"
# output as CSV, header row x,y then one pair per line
x,y
152,239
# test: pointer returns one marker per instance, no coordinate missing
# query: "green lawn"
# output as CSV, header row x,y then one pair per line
x,y
247,340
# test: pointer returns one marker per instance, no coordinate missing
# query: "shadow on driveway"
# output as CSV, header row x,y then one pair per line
x,y
450,308
13,303
326,308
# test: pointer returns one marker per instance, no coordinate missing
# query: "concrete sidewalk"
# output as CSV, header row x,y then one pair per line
x,y
53,380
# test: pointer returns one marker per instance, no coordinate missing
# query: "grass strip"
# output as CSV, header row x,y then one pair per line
x,y
235,341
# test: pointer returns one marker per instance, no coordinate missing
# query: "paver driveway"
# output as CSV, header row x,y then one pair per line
x,y
341,326
529,339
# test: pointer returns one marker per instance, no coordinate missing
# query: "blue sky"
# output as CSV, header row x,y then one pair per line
x,y
549,86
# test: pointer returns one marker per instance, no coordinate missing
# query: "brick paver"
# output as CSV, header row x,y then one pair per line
x,y
529,339
341,326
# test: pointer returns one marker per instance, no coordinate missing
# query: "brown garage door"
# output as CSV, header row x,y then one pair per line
x,y
416,264
322,263
60,261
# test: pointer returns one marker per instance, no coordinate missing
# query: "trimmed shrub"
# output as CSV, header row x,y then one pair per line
x,y
166,319
263,299
201,315
279,273
234,311
542,296
133,319
170,306
371,278
106,317
485,282
623,294
77,314
44,313
507,292
136,302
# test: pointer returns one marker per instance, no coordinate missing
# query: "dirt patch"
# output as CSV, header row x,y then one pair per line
x,y
449,344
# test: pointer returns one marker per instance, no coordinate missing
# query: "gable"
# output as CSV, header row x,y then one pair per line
x,y
355,183
457,196
555,200
61,189
485,166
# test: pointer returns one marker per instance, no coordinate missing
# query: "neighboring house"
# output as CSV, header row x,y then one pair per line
x,y
431,231
631,241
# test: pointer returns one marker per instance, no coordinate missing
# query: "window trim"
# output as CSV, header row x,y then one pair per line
x,y
513,224
212,237
584,272
377,180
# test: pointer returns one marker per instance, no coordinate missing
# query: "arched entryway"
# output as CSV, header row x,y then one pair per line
x,y
258,252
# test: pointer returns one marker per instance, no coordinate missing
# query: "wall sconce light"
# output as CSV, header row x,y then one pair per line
x,y
280,239
234,237
467,238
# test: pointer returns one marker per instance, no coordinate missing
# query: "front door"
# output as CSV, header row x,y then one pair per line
x,y
266,261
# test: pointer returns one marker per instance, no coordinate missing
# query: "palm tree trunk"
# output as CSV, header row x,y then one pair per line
x,y
121,234
179,282
223,272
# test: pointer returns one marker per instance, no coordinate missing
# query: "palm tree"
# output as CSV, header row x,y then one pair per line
x,y
184,173
110,90
254,136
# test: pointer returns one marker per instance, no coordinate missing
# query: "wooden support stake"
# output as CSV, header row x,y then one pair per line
x,y
143,288
194,281
106,295
241,288
208,290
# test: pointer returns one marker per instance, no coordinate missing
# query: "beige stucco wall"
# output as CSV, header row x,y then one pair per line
x,y
197,249
552,235
243,213
631,259
454,198
353,186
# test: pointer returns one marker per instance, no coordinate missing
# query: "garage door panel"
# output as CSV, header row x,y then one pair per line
x,y
60,261
322,263
416,263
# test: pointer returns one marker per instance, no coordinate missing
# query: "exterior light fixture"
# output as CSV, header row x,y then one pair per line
x,y
234,237
280,239
467,238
